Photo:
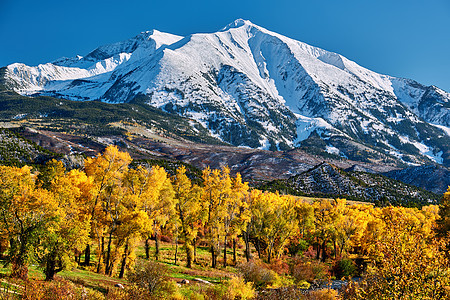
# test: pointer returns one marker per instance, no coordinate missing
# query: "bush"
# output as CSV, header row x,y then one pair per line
x,y
238,289
259,274
303,270
344,268
279,266
52,290
325,294
304,285
150,278
287,293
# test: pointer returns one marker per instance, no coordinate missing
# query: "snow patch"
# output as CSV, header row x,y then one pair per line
x,y
332,150
443,128
306,125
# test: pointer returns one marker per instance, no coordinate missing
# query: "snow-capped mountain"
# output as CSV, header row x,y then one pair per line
x,y
253,87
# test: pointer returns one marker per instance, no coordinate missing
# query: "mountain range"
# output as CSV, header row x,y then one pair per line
x,y
250,87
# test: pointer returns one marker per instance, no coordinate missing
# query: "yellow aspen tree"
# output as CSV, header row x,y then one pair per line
x,y
280,223
326,216
406,260
71,231
107,171
27,213
189,210
238,214
154,190
217,189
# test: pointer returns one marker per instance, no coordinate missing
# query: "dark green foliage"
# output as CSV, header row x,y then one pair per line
x,y
280,186
17,151
298,247
344,268
93,117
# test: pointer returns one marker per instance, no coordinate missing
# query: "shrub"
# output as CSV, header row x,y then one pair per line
x,y
291,292
233,289
259,274
303,270
344,268
325,294
92,294
52,290
150,278
238,289
279,266
304,285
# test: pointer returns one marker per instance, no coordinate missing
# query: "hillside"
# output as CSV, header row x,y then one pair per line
x,y
18,151
434,178
326,180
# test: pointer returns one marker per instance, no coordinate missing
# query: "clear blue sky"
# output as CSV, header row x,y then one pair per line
x,y
405,38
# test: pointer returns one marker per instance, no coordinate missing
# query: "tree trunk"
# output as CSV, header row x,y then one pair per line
x,y
102,250
19,265
247,246
50,266
258,248
156,245
195,250
111,268
108,255
324,253
147,248
124,261
188,248
176,249
213,257
87,255
225,252
317,250
234,251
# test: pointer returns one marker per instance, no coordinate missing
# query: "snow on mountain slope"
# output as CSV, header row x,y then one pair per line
x,y
60,73
253,87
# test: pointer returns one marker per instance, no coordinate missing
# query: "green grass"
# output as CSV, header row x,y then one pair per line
x,y
95,281
85,276
33,271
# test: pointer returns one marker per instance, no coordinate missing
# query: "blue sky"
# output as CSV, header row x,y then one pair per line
x,y
401,38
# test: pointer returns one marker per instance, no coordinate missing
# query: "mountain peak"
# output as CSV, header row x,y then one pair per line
x,y
238,23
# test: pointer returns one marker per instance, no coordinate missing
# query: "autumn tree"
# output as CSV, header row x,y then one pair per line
x,y
406,259
443,222
153,188
217,190
273,221
189,210
280,223
27,212
237,214
71,230
107,171
325,223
